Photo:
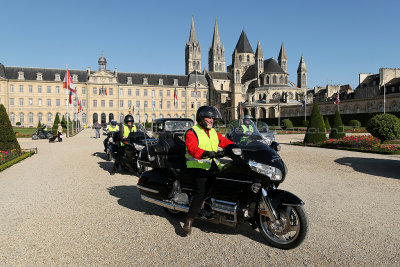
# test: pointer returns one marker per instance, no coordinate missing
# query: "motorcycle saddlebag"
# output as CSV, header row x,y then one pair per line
x,y
155,184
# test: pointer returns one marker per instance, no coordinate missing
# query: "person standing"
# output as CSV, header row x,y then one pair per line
x,y
202,142
97,128
59,132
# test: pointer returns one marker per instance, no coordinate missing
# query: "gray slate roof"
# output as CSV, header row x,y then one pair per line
x,y
152,79
2,71
199,77
47,74
220,75
271,66
243,45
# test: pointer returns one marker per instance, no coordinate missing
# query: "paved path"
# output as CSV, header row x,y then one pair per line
x,y
61,207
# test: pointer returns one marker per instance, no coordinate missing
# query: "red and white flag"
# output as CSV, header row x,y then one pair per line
x,y
68,83
175,97
337,100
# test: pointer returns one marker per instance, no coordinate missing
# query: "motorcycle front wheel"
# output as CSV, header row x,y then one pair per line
x,y
109,154
289,231
35,137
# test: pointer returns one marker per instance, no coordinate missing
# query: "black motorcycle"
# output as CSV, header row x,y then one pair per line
x,y
127,154
41,134
108,143
245,190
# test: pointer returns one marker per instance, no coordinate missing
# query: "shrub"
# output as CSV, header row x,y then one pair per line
x,y
316,129
355,123
305,123
55,125
287,124
337,129
8,140
18,123
384,126
327,125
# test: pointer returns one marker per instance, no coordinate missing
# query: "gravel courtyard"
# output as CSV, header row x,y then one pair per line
x,y
61,207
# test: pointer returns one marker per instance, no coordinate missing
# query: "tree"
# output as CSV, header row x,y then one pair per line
x,y
55,125
8,140
316,129
337,129
384,127
63,122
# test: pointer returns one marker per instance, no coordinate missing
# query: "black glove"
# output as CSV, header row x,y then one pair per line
x,y
220,154
209,154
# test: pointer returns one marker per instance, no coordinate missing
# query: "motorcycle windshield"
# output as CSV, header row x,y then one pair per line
x,y
244,131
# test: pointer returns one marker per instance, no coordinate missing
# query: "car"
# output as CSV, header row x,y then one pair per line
x,y
175,125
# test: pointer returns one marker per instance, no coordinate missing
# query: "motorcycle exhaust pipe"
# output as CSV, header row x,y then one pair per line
x,y
165,204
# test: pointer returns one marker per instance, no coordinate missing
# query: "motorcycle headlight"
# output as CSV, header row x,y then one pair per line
x,y
267,140
273,173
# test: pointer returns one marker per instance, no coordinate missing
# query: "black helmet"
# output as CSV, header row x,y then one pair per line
x,y
113,122
129,118
207,112
248,117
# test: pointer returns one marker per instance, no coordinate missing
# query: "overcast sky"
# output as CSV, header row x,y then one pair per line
x,y
339,39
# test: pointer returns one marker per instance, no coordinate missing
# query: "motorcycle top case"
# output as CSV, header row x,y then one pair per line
x,y
159,185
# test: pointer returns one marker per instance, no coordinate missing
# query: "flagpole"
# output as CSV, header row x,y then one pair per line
x,y
305,106
195,95
384,97
73,114
67,102
338,99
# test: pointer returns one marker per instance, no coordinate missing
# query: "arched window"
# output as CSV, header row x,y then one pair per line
x,y
168,116
103,118
176,116
110,117
40,117
121,117
274,79
281,79
49,118
222,87
84,118
31,117
95,117
192,117
12,118
240,58
237,76
248,58
21,117
183,116
153,117
137,118
161,116
268,80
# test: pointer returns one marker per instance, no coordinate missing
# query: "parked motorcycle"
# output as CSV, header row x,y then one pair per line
x,y
133,144
41,134
245,189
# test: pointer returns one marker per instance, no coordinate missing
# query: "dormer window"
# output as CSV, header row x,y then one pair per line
x,y
39,76
175,81
110,80
75,77
21,75
129,80
57,77
95,79
160,82
145,81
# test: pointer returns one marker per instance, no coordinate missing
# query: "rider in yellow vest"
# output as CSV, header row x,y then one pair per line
x,y
247,126
124,131
202,142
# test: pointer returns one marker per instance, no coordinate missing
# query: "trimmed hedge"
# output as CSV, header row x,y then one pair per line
x,y
337,129
8,140
287,124
16,160
355,123
316,130
384,127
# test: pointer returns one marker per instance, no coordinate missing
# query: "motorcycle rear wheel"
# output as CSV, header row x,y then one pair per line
x,y
289,231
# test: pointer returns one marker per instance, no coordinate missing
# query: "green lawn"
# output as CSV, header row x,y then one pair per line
x,y
24,130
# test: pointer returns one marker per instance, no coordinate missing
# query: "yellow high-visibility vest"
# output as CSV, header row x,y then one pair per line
x,y
127,131
207,143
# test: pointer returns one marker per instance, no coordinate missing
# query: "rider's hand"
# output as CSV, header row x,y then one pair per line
x,y
220,154
209,154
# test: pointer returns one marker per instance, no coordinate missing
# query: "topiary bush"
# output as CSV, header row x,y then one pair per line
x,y
55,125
355,123
305,123
287,124
384,127
327,125
337,129
18,123
316,130
8,141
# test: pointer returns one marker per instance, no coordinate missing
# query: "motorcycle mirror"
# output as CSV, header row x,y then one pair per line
x,y
237,151
233,150
275,146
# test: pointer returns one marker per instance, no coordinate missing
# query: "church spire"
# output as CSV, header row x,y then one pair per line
x,y
282,58
259,59
216,54
192,36
302,73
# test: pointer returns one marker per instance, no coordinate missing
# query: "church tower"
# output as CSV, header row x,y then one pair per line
x,y
216,54
192,52
302,74
282,58
259,59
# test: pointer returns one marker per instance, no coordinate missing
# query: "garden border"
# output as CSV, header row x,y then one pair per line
x,y
16,160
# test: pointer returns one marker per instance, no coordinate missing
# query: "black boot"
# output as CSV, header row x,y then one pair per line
x,y
187,227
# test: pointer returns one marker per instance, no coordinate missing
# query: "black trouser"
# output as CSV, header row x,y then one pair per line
x,y
204,181
120,150
105,142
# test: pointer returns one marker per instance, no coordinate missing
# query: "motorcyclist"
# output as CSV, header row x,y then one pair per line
x,y
124,131
112,127
246,126
202,142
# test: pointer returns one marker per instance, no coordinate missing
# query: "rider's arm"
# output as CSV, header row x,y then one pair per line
x,y
223,141
192,145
